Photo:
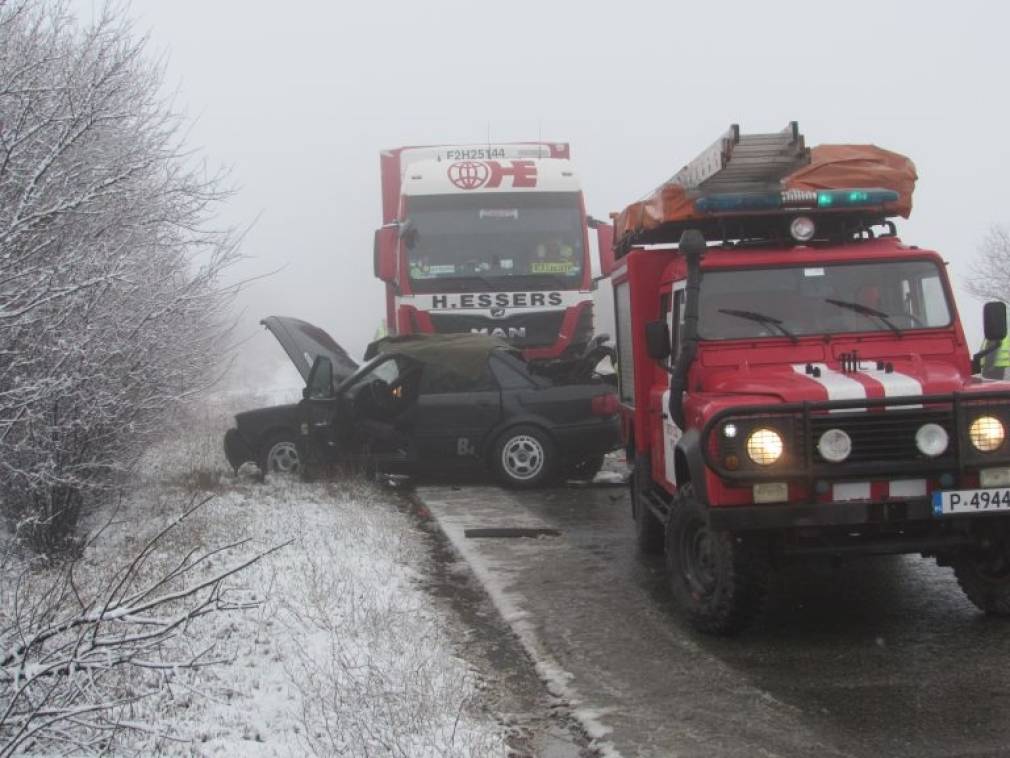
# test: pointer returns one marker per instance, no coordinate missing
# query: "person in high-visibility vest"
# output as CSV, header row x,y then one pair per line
x,y
996,365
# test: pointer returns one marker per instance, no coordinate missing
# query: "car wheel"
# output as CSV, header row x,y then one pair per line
x,y
985,578
586,469
524,457
650,533
280,455
719,578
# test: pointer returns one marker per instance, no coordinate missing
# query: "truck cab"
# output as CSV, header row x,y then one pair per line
x,y
487,239
796,382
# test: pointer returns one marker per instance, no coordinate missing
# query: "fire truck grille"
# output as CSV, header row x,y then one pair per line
x,y
883,435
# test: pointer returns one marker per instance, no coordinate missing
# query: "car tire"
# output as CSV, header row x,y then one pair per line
x,y
650,534
984,578
586,469
280,455
524,457
719,578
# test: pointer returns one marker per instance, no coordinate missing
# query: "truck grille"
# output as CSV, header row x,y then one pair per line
x,y
884,435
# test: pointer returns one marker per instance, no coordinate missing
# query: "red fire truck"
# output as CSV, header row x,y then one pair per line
x,y
491,239
795,379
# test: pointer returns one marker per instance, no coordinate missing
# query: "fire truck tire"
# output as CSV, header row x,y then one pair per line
x,y
524,457
985,579
719,578
650,534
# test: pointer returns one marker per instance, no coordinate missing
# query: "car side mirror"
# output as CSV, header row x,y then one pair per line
x,y
994,321
657,340
320,382
384,254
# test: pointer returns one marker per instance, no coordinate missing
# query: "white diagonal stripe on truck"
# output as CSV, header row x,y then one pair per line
x,y
896,384
837,385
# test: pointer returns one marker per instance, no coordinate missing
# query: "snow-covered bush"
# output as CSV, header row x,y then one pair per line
x,y
111,311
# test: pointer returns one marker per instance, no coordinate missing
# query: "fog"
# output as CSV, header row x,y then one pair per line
x,y
298,98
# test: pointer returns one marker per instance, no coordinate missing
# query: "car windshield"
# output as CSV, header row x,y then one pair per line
x,y
890,296
503,241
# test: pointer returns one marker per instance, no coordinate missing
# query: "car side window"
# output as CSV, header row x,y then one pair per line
x,y
508,377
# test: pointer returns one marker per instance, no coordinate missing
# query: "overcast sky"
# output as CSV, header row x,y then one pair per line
x,y
299,97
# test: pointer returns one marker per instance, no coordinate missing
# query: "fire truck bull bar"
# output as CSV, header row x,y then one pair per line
x,y
796,421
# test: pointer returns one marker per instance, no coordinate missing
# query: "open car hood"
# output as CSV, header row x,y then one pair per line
x,y
304,342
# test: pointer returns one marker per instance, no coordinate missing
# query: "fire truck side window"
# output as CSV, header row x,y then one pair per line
x,y
678,324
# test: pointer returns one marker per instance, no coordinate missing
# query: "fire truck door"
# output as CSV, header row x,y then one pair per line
x,y
672,306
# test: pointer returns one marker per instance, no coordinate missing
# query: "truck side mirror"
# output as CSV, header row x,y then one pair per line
x,y
604,244
657,340
994,321
384,254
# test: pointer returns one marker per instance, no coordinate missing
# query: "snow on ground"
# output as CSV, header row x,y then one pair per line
x,y
345,655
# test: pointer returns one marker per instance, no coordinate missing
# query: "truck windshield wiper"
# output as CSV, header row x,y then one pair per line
x,y
761,318
865,310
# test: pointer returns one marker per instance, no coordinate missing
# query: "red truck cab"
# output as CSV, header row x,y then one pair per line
x,y
802,387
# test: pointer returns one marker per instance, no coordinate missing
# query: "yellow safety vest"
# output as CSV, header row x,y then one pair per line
x,y
998,358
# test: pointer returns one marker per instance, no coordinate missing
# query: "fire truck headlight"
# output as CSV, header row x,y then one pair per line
x,y
764,446
834,445
986,433
932,440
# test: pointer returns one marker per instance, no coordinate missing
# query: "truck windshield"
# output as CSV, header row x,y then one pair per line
x,y
892,296
498,242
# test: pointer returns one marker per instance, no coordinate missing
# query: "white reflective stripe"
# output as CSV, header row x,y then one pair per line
x,y
671,435
850,491
896,384
907,488
835,383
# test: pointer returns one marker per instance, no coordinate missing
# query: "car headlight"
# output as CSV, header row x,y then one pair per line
x,y
834,445
932,440
986,433
764,446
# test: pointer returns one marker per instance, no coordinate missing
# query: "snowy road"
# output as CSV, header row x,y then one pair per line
x,y
880,657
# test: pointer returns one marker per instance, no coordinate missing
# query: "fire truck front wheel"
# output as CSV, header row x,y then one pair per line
x,y
985,578
719,578
524,457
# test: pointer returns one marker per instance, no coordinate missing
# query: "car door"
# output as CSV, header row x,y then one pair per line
x,y
318,412
453,416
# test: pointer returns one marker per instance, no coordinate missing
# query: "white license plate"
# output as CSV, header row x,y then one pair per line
x,y
957,502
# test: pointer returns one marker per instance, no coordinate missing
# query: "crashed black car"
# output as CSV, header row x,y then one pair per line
x,y
431,403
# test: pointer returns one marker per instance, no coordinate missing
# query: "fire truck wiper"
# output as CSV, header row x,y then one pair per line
x,y
761,318
865,310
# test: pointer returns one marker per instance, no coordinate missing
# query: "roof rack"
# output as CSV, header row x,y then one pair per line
x,y
745,162
751,187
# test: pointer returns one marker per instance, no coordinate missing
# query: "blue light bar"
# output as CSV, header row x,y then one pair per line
x,y
751,202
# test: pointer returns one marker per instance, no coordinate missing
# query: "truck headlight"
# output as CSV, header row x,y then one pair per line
x,y
764,446
932,440
834,445
986,433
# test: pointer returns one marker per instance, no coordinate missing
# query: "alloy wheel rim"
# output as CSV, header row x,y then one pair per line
x,y
523,457
283,458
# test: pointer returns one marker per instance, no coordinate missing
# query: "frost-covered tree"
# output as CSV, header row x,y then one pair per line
x,y
111,310
990,273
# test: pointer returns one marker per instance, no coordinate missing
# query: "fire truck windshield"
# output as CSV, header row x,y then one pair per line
x,y
503,241
829,298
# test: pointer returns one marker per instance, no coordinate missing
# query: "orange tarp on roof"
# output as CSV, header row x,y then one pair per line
x,y
842,166
830,167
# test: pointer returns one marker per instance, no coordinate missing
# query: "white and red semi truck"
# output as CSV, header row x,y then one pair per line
x,y
489,239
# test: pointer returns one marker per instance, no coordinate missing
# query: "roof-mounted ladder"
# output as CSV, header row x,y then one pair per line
x,y
745,162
